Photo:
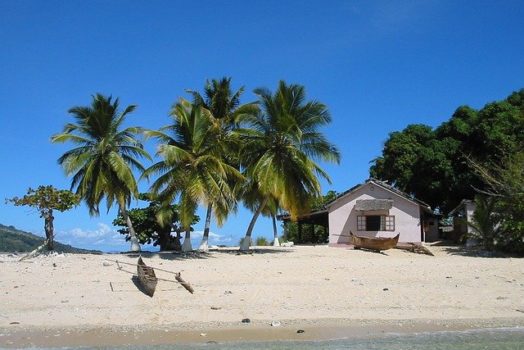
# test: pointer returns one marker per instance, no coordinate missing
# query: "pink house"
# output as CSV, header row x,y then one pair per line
x,y
376,209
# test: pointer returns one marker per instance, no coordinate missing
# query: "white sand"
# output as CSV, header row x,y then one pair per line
x,y
286,284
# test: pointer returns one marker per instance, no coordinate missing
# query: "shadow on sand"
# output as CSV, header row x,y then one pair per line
x,y
197,255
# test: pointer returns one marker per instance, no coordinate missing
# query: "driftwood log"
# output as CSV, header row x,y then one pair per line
x,y
34,252
414,248
184,284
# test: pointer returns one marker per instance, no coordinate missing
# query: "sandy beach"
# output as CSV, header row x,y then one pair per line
x,y
63,299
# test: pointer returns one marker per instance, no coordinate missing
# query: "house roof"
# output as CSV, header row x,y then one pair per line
x,y
460,206
383,185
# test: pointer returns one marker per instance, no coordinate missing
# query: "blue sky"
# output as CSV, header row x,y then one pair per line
x,y
378,65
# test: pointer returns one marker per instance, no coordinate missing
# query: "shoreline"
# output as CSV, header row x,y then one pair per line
x,y
230,333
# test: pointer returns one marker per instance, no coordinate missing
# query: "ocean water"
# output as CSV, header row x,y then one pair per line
x,y
489,339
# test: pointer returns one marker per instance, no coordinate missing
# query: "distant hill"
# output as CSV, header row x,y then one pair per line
x,y
14,240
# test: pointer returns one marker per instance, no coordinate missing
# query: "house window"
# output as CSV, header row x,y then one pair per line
x,y
376,223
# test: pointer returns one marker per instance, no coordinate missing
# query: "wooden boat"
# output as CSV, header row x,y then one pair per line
x,y
377,243
146,277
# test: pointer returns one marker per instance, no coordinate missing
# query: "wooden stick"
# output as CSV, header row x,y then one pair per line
x,y
34,252
186,285
156,268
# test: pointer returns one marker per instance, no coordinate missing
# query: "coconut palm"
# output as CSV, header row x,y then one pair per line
x,y
101,163
282,147
192,167
225,109
251,196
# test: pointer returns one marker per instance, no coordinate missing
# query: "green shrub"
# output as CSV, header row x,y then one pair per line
x,y
261,241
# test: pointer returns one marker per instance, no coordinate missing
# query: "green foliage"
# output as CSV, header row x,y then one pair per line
x,y
505,189
432,165
192,165
261,241
316,234
104,155
153,224
281,145
46,198
486,222
313,234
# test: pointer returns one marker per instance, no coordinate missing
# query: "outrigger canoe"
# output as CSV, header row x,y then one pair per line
x,y
146,277
377,243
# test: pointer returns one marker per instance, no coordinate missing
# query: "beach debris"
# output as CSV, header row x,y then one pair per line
x,y
300,331
203,334
275,324
14,322
228,292
519,310
385,289
54,264
106,263
216,308
449,277
287,244
246,320
34,252
414,248
184,284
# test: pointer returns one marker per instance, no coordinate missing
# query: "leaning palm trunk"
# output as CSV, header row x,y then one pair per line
x,y
276,243
204,246
135,246
246,242
187,247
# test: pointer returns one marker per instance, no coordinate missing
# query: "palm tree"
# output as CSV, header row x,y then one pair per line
x,y
225,109
486,222
282,146
192,166
101,163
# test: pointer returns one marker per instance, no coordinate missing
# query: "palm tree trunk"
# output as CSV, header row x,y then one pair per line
x,y
49,229
244,246
276,243
135,246
187,247
205,238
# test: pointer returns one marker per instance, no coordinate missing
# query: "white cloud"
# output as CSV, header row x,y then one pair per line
x,y
102,231
214,238
103,237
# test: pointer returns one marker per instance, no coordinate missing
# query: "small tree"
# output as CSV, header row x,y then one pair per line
x,y
505,187
486,222
154,224
46,199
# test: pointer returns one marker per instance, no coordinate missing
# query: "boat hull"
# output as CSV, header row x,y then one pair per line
x,y
146,277
377,244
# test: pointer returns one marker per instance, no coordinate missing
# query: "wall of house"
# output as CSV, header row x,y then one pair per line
x,y
343,216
